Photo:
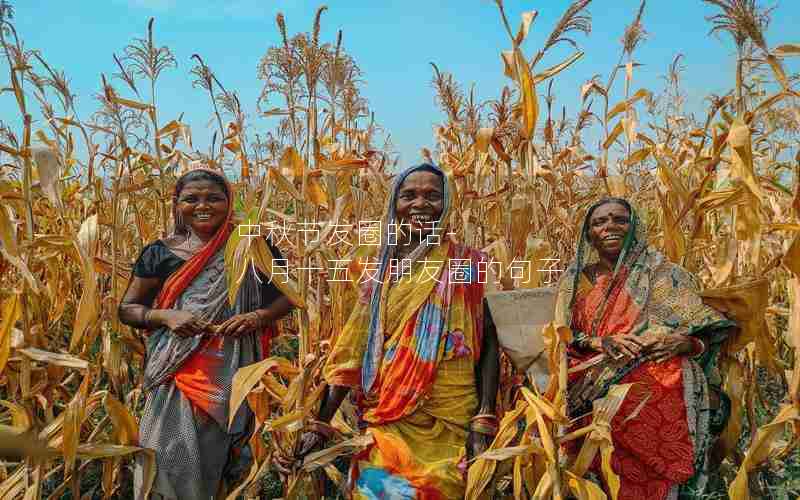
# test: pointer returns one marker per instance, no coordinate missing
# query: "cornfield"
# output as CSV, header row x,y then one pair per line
x,y
81,195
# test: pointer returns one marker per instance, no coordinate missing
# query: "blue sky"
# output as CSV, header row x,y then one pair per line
x,y
393,42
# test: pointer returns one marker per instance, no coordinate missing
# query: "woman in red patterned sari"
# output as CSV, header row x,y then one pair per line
x,y
643,314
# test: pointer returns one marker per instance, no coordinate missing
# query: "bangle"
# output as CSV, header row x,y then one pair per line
x,y
324,429
147,319
485,423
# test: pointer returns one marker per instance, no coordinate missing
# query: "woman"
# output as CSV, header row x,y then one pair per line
x,y
196,342
419,350
625,300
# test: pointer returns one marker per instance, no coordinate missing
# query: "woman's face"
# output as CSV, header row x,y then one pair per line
x,y
608,226
203,206
419,203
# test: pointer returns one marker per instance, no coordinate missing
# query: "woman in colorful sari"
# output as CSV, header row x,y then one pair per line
x,y
420,352
626,301
196,342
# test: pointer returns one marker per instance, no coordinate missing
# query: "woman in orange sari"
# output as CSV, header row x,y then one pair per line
x,y
196,342
626,301
418,351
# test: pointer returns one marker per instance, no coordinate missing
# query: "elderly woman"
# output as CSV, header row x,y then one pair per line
x,y
196,342
626,301
419,350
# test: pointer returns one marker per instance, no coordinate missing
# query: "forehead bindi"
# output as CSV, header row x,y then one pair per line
x,y
610,210
422,182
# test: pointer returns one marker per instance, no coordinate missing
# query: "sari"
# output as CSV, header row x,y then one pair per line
x,y
187,381
409,351
665,426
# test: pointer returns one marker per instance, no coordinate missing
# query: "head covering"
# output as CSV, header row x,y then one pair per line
x,y
633,247
374,351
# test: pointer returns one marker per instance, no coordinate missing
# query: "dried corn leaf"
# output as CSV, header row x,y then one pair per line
x,y
324,457
126,430
481,471
245,379
11,309
764,445
89,305
54,358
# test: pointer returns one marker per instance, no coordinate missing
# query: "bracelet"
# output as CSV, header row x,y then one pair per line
x,y
147,319
485,423
324,429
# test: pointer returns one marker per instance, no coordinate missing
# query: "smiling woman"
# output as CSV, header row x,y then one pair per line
x,y
419,352
196,341
637,318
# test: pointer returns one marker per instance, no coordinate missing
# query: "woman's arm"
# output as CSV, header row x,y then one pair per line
x,y
135,304
315,438
488,372
134,310
484,425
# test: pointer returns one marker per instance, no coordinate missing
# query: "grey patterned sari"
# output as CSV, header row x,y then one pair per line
x,y
194,447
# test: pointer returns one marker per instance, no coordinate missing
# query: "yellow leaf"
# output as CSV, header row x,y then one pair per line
x,y
20,418
106,450
315,193
482,470
746,303
89,305
615,132
674,239
130,104
284,184
525,26
49,174
483,139
763,446
530,104
735,390
638,156
245,379
73,421
324,457
742,157
787,50
54,358
558,68
344,164
263,259
292,164
623,106
11,311
792,257
126,430
583,488
290,422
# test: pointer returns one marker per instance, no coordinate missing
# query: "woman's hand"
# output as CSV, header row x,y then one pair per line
x,y
184,323
618,346
240,324
661,347
477,443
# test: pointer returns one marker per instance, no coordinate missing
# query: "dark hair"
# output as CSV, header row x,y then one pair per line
x,y
201,175
606,201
